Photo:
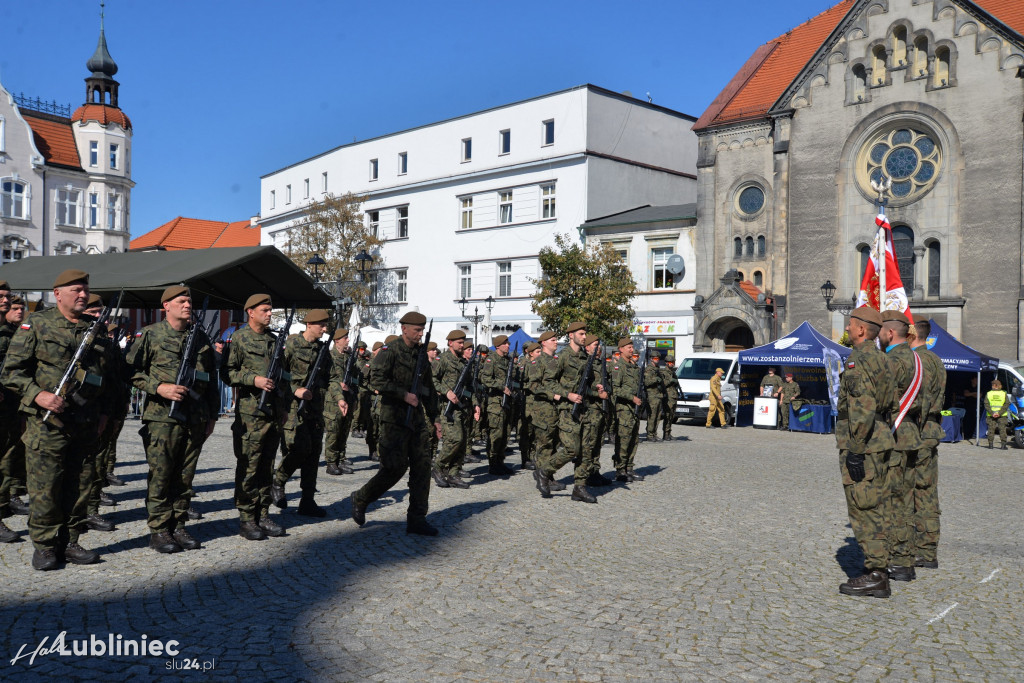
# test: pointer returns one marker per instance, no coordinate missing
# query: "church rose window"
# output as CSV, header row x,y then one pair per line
x,y
750,200
909,156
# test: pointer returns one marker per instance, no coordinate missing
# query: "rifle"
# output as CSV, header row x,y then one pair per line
x,y
421,360
276,368
643,410
187,374
351,379
318,364
606,404
75,375
510,381
462,390
586,379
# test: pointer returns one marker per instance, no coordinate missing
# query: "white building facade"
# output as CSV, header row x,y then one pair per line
x,y
465,205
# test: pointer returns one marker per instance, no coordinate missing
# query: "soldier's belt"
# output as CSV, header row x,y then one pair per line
x,y
879,417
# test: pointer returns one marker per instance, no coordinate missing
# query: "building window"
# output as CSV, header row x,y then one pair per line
x,y
273,199
94,210
505,207
14,199
287,194
403,163
548,132
374,283
403,221
660,277
920,57
758,279
11,255
467,212
878,66
505,278
860,84
941,67
748,246
305,188
903,245
504,142
761,246
865,258
899,47
94,153
113,211
373,217
934,268
737,244
67,208
909,156
547,195
402,280
467,149
3,134
750,200
114,154
323,182
373,169
66,249
465,281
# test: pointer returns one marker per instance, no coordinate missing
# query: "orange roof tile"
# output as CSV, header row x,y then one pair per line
x,y
751,289
102,113
195,233
239,234
1010,12
54,139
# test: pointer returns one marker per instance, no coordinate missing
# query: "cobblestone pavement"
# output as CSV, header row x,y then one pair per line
x,y
723,564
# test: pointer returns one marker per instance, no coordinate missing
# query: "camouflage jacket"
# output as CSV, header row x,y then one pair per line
x,y
568,372
41,351
337,376
773,381
154,360
935,395
625,376
393,370
866,398
670,382
653,380
446,376
492,374
247,356
299,357
789,391
901,361
9,404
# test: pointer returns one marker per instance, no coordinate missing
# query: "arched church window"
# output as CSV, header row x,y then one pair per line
x,y
761,246
758,279
899,46
738,247
749,244
878,65
920,65
865,258
941,67
750,200
910,156
860,83
903,245
934,267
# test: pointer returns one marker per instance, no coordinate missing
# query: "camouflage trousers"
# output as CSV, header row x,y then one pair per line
x,y
784,413
594,440
60,466
401,450
455,438
524,435
869,505
432,442
172,451
543,424
577,444
12,462
625,437
373,424
996,425
255,442
901,521
668,416
923,481
337,428
657,403
300,450
106,453
497,431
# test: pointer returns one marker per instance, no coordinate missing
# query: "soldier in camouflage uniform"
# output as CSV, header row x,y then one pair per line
x,y
12,455
625,376
173,445
895,326
671,384
594,420
339,423
866,398
433,358
359,413
923,476
524,432
107,458
255,434
493,373
60,454
372,406
542,395
405,418
655,395
302,431
786,394
116,378
8,420
455,431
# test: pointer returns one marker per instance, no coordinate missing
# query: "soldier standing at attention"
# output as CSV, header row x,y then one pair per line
x,y
338,422
625,377
172,445
543,395
771,380
908,377
12,458
655,395
256,435
786,393
867,394
60,453
671,383
995,413
492,375
302,433
432,440
115,377
715,404
8,419
923,477
405,418
455,431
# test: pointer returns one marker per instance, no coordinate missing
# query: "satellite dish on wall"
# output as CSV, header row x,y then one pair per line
x,y
676,265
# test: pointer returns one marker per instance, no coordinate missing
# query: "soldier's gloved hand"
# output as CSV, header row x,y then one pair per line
x,y
855,466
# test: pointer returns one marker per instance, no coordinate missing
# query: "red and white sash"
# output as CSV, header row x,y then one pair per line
x,y
910,394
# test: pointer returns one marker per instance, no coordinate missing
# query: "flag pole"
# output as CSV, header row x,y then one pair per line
x,y
882,187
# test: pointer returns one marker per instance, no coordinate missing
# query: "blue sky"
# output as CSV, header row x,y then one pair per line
x,y
221,92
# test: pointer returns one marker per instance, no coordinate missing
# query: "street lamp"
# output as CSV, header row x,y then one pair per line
x,y
365,261
315,261
477,316
828,290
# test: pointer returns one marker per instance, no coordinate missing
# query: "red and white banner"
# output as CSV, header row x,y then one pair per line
x,y
895,295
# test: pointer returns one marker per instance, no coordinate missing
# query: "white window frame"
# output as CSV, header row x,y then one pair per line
x,y
403,163
465,213
323,182
402,285
305,188
373,222
504,207
660,261
374,169
66,206
94,153
547,129
113,211
3,135
11,255
402,222
504,280
548,195
115,156
10,198
504,142
465,281
467,150
287,194
273,199
94,209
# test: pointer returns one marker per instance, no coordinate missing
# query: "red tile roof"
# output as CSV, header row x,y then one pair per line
x,y
773,66
751,289
195,233
54,139
103,113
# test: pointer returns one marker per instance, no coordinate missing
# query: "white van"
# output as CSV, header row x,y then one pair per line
x,y
694,373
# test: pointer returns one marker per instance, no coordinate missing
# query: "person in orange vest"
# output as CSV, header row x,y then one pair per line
x,y
995,413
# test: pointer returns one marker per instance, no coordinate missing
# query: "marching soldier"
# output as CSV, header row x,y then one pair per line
x,y
8,419
786,394
433,358
493,372
302,433
455,431
339,423
923,477
256,435
671,384
625,377
404,419
543,394
595,420
372,413
60,453
866,397
173,445
655,395
14,457
359,413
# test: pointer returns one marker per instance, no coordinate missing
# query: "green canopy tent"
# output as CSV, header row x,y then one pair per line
x,y
227,275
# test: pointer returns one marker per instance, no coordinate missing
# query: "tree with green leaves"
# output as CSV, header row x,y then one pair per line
x,y
592,284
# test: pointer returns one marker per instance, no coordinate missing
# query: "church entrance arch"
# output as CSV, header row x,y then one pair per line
x,y
730,334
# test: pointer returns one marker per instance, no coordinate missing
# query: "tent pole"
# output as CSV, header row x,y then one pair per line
x,y
977,413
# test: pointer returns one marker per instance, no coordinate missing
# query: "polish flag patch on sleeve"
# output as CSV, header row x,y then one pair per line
x,y
26,326
851,364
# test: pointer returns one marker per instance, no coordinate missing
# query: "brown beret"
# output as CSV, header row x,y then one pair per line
x,y
17,301
547,335
340,333
317,315
4,285
361,345
531,347
390,338
455,334
413,318
590,339
377,345
257,300
895,316
432,346
71,276
483,350
499,340
173,292
868,315
576,326
625,341
112,326
94,300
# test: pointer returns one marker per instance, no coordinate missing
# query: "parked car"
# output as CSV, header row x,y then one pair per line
x,y
694,373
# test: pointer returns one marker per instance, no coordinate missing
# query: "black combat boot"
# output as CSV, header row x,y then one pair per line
x,y
97,523
621,476
333,469
7,535
455,481
194,514
633,476
106,500
270,527
420,527
874,584
114,480
18,506
185,539
163,542
44,560
358,511
251,531
345,467
277,496
926,564
581,494
543,484
76,554
309,508
440,478
902,573
555,485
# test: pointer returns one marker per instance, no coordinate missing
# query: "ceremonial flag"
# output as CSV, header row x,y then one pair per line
x,y
895,295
